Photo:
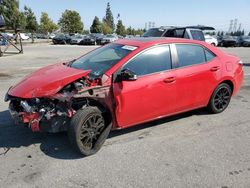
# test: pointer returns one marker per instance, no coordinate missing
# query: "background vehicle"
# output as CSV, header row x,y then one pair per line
x,y
92,39
41,36
227,41
3,41
244,41
52,35
8,35
24,36
153,77
77,39
211,40
189,32
108,39
61,39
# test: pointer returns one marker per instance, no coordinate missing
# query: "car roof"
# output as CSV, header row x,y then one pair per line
x,y
198,27
150,41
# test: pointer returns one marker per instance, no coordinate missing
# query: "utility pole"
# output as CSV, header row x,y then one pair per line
x,y
230,26
235,24
239,29
149,25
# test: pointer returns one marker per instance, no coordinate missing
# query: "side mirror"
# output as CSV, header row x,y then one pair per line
x,y
127,75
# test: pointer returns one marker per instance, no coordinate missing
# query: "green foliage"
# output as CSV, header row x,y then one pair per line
x,y
85,32
132,31
237,33
30,18
46,24
70,22
106,29
109,19
13,18
96,26
120,28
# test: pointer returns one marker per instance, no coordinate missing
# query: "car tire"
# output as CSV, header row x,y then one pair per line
x,y
220,99
87,131
213,44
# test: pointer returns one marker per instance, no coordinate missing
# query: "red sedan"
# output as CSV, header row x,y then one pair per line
x,y
124,84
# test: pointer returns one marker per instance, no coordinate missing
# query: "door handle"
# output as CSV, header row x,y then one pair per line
x,y
213,69
169,80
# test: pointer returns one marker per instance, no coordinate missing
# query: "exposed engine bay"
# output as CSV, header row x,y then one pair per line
x,y
53,113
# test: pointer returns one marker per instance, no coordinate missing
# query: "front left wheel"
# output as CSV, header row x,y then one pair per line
x,y
87,131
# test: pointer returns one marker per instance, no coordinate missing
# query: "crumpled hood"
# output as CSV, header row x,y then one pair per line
x,y
46,81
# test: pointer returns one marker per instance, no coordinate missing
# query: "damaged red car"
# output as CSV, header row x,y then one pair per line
x,y
123,84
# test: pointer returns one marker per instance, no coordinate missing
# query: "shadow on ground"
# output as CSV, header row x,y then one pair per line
x,y
57,145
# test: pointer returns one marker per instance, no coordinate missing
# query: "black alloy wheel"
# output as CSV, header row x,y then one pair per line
x,y
88,131
220,98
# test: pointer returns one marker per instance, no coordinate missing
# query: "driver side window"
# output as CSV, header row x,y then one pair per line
x,y
154,60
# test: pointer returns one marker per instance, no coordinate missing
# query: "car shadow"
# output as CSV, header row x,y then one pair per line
x,y
57,145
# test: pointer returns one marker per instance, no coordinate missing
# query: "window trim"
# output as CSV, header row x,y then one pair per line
x,y
192,44
155,46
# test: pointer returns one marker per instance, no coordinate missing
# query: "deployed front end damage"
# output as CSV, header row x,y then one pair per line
x,y
54,112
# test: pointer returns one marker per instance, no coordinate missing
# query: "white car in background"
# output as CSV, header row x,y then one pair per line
x,y
211,40
24,36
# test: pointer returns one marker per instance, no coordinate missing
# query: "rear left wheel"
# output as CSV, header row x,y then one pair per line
x,y
220,98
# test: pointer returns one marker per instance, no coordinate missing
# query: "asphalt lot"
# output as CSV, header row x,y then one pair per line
x,y
194,149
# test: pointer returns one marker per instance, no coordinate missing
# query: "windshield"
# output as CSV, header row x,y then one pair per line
x,y
102,59
155,32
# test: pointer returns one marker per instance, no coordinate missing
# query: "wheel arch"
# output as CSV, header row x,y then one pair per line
x,y
229,82
106,112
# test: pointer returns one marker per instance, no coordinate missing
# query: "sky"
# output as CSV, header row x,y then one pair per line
x,y
216,13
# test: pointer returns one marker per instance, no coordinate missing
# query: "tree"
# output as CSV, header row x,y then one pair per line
x,y
130,31
120,28
96,26
31,23
249,34
46,24
106,29
10,11
109,19
70,22
243,32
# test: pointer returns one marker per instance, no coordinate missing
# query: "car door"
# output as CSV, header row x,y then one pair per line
x,y
153,94
196,76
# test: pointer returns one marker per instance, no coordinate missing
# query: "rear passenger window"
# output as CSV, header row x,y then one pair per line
x,y
153,60
190,54
209,55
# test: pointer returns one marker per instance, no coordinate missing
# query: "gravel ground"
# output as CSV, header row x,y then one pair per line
x,y
194,149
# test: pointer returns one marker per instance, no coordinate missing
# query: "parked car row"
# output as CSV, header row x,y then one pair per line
x,y
10,36
234,41
91,39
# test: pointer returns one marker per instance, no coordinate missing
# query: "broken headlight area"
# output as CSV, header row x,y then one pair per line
x,y
41,114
